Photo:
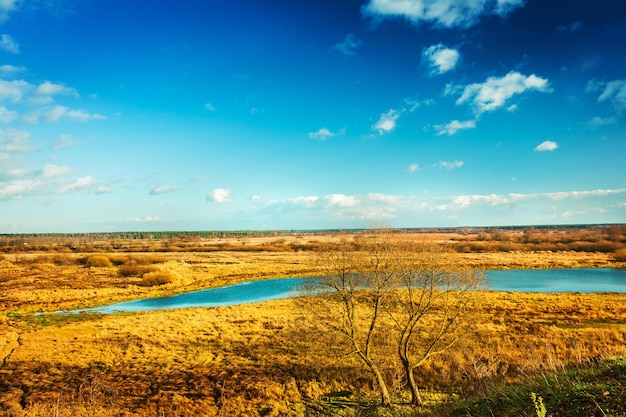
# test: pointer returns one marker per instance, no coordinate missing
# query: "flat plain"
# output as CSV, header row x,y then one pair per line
x,y
264,358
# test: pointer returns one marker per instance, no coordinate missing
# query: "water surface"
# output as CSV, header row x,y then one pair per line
x,y
589,280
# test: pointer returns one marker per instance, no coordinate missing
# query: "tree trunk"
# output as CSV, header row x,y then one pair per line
x,y
385,398
416,398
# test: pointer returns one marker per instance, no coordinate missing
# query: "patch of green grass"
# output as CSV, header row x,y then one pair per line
x,y
599,390
53,319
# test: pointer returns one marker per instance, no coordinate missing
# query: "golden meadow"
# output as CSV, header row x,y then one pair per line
x,y
265,358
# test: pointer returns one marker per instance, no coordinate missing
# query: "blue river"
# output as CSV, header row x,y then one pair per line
x,y
588,280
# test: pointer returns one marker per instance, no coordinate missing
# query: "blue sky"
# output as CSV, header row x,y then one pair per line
x,y
310,114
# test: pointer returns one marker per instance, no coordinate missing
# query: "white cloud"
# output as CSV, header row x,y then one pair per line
x,y
384,198
219,195
209,107
454,126
413,167
61,112
13,90
144,219
341,200
103,189
466,201
6,115
387,122
441,13
9,70
547,145
450,165
6,7
14,141
52,171
79,184
7,43
50,89
348,45
440,59
16,189
304,200
161,189
563,195
44,93
494,93
256,198
325,133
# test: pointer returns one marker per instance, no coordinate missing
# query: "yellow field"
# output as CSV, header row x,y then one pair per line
x,y
257,359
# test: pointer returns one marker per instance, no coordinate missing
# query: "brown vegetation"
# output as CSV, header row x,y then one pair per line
x,y
265,359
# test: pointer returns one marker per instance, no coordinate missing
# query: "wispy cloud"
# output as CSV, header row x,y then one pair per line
x,y
52,171
65,141
495,91
387,122
38,101
348,45
378,206
17,189
14,90
413,167
325,133
7,43
450,165
10,70
613,92
80,184
219,195
7,7
602,121
454,126
571,28
146,219
440,59
308,201
440,13
6,115
61,112
209,107
162,189
547,145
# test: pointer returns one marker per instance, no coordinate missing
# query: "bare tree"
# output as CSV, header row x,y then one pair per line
x,y
380,283
356,280
430,300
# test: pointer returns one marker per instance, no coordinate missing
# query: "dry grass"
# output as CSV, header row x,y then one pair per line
x,y
258,359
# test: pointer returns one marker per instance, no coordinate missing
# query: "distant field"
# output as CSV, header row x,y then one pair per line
x,y
262,359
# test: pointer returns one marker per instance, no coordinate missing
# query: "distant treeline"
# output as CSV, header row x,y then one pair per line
x,y
265,233
581,238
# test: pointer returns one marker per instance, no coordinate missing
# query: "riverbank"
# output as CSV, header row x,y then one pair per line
x,y
34,282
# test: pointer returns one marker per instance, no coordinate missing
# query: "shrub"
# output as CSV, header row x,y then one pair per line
x,y
99,261
155,278
131,269
118,260
620,255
